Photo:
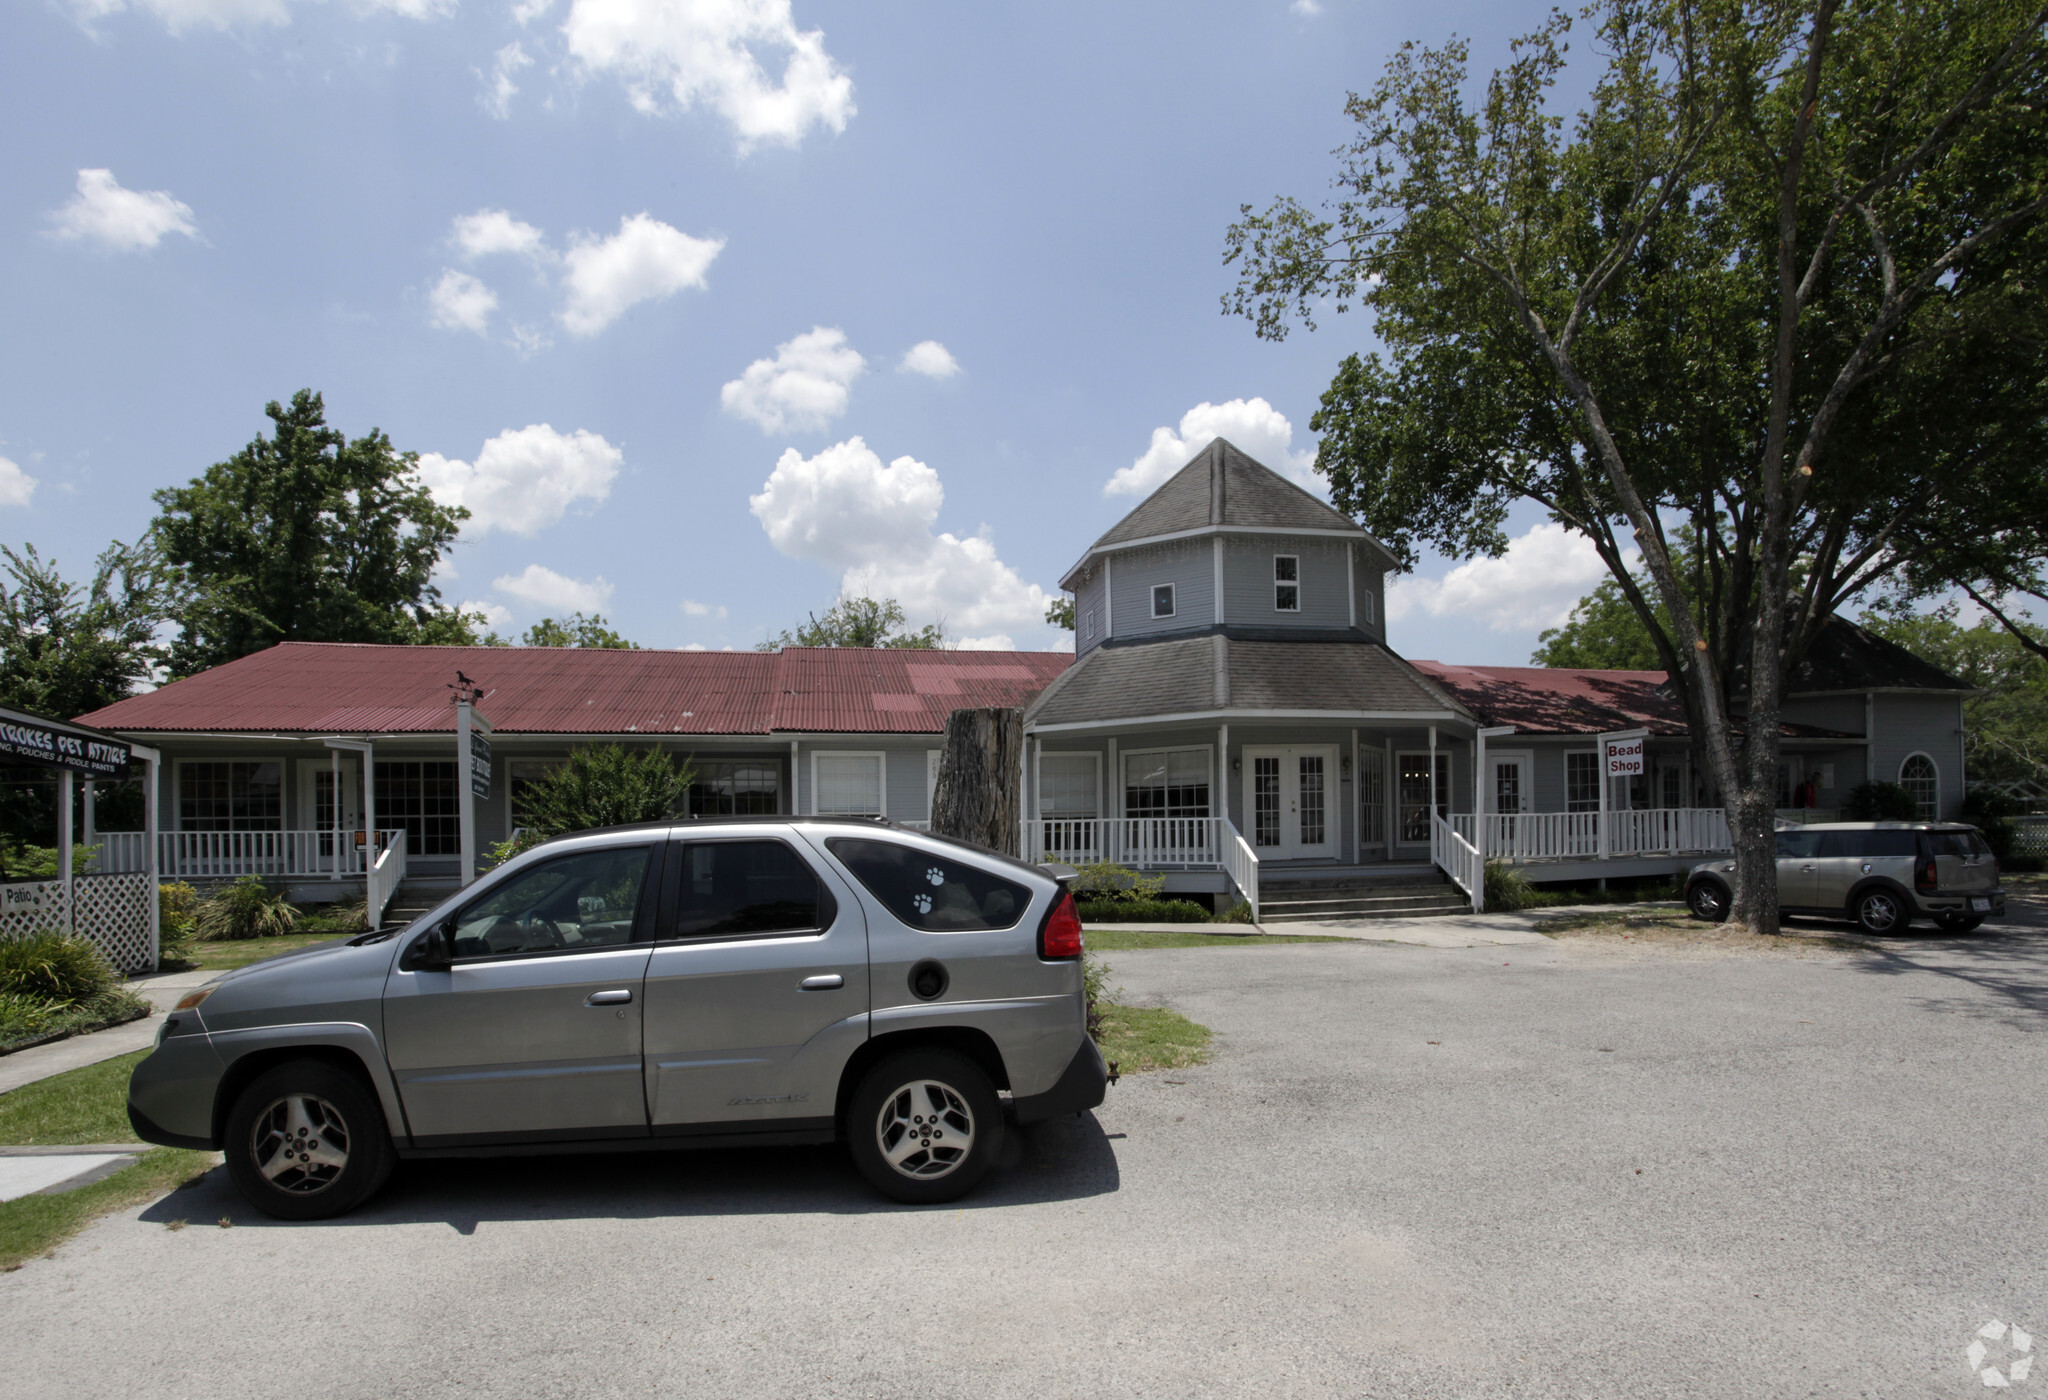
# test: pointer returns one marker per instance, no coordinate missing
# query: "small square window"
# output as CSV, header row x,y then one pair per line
x,y
1162,600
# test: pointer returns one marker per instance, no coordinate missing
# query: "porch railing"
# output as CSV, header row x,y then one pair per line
x,y
1152,843
1523,836
1241,863
1457,857
215,855
383,878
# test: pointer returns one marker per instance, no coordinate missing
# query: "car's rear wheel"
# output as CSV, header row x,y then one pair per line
x,y
1958,923
925,1126
1708,899
306,1140
1880,911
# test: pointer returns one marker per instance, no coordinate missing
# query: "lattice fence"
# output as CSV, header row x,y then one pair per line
x,y
31,907
114,913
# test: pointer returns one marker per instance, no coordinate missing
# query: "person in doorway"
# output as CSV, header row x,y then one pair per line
x,y
1808,795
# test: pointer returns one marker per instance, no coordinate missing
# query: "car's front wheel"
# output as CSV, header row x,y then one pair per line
x,y
306,1140
925,1126
1880,911
1708,899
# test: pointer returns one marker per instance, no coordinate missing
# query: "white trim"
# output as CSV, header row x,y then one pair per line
x,y
1188,716
1290,781
1280,583
1901,780
1317,532
1172,601
1217,552
881,758
1350,588
1039,756
1527,759
1592,753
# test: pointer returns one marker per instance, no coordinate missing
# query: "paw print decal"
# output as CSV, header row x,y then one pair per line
x,y
935,875
922,903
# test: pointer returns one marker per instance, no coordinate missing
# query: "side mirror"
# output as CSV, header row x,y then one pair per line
x,y
434,952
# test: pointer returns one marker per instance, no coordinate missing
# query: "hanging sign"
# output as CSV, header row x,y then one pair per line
x,y
28,742
1625,757
479,764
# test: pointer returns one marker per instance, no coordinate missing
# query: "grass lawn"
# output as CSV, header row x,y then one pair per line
x,y
1112,940
84,1105
1675,930
224,957
1138,1038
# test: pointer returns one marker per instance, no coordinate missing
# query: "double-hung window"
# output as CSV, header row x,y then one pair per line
x,y
847,784
1286,583
742,789
231,796
1582,782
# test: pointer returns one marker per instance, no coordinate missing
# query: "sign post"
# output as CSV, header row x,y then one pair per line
x,y
1621,756
473,759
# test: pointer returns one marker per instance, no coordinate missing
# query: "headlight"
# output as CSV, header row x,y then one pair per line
x,y
190,1001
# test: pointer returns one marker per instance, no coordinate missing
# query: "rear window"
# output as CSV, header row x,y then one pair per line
x,y
931,892
1954,843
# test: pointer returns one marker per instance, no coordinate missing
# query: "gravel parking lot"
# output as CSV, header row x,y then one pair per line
x,y
1584,1168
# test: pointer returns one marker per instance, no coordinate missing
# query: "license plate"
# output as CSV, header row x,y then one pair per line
x,y
1980,904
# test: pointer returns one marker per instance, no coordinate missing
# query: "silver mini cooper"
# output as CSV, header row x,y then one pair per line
x,y
1879,875
708,983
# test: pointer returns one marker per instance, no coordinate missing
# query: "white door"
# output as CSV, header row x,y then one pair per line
x,y
1509,793
1293,802
317,812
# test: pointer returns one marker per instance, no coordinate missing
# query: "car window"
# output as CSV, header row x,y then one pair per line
x,y
1882,845
1954,843
1798,845
586,900
932,892
731,888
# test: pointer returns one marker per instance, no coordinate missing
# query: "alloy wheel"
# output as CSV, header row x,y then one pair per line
x,y
300,1144
1878,912
925,1130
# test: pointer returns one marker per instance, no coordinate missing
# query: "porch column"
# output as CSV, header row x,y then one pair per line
x,y
1111,844
465,801
1223,774
1357,805
1479,793
91,825
369,810
152,762
1430,800
64,833
334,812
796,808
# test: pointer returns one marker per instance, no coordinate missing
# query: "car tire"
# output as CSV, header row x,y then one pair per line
x,y
902,1116
1708,900
340,1150
1958,923
1881,911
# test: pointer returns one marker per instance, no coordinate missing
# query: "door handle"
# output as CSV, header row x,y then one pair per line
x,y
823,983
616,998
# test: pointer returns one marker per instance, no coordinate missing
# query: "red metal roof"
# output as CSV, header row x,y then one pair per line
x,y
1563,700
327,688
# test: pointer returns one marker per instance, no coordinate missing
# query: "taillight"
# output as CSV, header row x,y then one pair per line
x,y
1924,877
1060,935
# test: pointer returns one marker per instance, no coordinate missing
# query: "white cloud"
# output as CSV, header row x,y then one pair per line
x,y
459,302
1258,428
527,11
645,260
1544,572
697,609
180,15
524,479
1308,9
552,592
847,511
496,99
995,641
693,646
16,485
930,359
117,219
495,614
802,389
710,52
490,231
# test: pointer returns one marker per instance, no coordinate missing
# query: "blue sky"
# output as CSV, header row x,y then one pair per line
x,y
642,281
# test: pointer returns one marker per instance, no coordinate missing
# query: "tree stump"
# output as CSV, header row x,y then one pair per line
x,y
980,770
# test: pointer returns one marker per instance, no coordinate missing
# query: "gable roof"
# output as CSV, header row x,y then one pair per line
x,y
1845,656
1223,486
1570,700
334,688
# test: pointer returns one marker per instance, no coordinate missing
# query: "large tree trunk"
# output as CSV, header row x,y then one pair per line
x,y
979,772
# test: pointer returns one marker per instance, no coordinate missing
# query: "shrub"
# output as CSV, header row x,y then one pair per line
x,y
1879,802
24,1016
1125,911
54,967
1095,988
22,862
1105,881
1991,811
245,909
602,785
1238,913
1506,887
177,909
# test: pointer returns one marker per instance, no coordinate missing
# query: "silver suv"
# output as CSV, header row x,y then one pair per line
x,y
704,984
1880,875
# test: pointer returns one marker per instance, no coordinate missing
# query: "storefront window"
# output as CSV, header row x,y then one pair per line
x,y
231,796
1168,783
740,789
420,798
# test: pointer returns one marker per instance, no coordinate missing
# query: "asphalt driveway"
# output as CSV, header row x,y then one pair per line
x,y
1580,1169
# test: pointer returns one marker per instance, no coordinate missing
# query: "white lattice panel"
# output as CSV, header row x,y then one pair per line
x,y
113,911
31,907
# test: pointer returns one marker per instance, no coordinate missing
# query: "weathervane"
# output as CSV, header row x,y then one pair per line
x,y
465,689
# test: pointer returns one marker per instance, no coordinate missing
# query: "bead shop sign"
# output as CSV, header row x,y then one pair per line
x,y
28,742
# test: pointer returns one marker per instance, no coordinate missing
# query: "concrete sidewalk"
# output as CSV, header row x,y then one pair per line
x,y
160,989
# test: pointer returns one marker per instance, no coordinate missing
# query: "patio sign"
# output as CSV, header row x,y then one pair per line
x,y
1625,757
479,764
25,741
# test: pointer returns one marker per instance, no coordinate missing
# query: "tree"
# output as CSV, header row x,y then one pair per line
x,y
1748,290
304,536
1060,612
604,785
67,649
576,630
1603,633
861,622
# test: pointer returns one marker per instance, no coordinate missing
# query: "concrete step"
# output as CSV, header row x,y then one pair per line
x,y
1415,911
1448,899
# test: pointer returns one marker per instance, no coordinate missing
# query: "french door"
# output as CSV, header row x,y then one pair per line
x,y
318,795
1293,805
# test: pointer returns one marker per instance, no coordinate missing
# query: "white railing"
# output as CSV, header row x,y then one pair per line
x,y
226,855
118,852
382,879
1153,843
1524,836
1458,858
1241,862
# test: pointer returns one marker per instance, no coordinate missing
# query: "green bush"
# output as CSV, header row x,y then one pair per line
x,y
1991,812
22,862
1095,989
352,917
603,785
1106,881
1506,888
1238,913
54,967
177,910
1879,802
24,1016
1127,911
245,909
